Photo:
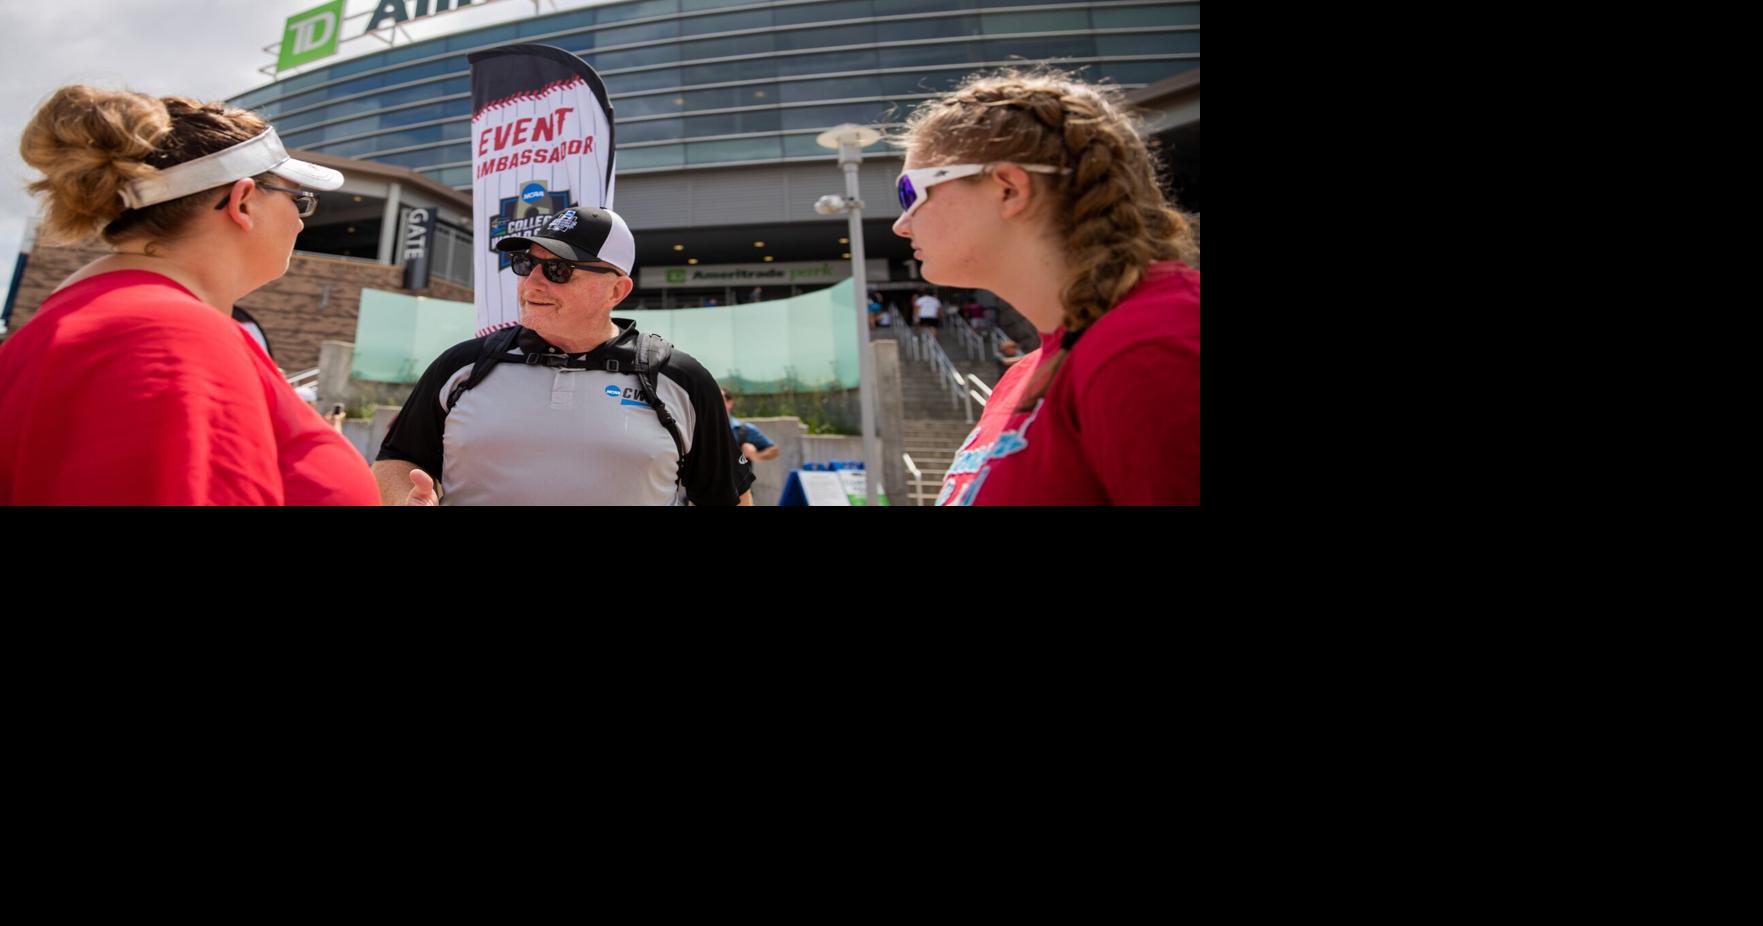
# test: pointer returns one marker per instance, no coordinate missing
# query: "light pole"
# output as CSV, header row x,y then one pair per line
x,y
850,140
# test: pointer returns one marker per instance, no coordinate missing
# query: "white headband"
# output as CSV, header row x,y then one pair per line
x,y
245,159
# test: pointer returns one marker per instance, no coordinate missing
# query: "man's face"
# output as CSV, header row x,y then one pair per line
x,y
728,403
586,299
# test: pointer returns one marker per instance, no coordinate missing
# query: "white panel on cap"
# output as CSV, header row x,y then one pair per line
x,y
620,248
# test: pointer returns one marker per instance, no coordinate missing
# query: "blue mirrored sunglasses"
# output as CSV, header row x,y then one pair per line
x,y
914,185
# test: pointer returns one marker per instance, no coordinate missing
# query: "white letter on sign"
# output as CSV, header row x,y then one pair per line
x,y
314,32
414,239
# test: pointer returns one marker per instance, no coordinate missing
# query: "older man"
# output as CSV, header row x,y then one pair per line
x,y
573,406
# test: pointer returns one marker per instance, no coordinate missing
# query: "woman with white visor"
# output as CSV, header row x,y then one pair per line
x,y
132,385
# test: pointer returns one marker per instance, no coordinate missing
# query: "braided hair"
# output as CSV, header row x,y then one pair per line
x,y
1109,210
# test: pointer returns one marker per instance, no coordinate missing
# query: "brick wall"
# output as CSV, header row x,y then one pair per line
x,y
317,300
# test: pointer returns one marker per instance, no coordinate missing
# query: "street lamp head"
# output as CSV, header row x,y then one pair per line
x,y
848,134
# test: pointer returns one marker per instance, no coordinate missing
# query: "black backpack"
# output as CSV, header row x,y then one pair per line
x,y
643,358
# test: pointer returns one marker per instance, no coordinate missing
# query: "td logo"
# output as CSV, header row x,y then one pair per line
x,y
676,276
311,35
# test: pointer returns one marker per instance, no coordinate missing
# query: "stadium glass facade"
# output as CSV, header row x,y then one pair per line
x,y
730,94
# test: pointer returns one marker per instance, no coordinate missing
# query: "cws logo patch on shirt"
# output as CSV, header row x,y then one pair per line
x,y
627,395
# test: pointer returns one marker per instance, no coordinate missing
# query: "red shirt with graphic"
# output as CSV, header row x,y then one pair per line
x,y
125,389
1120,424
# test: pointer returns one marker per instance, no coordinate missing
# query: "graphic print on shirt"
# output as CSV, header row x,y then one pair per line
x,y
967,460
1010,440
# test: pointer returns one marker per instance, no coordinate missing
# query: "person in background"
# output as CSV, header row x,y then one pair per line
x,y
928,310
1008,354
255,330
752,441
974,313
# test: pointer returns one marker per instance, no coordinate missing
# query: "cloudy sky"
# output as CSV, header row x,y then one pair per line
x,y
209,49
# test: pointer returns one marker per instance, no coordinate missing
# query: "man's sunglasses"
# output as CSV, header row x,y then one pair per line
x,y
557,270
914,185
305,200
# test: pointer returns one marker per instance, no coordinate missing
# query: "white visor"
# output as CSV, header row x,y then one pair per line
x,y
245,159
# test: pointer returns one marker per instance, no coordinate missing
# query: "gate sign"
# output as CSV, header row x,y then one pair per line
x,y
419,247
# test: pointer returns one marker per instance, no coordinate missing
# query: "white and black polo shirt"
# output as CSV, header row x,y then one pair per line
x,y
575,435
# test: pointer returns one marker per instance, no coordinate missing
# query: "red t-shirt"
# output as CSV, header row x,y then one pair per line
x,y
1120,424
127,390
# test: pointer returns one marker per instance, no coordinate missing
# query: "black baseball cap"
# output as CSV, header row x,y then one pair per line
x,y
582,233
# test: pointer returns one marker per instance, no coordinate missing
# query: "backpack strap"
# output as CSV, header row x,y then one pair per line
x,y
492,351
652,353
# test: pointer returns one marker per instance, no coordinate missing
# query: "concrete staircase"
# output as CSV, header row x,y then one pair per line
x,y
935,425
932,444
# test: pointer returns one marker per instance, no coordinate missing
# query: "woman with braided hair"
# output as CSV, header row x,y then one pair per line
x,y
133,385
1039,188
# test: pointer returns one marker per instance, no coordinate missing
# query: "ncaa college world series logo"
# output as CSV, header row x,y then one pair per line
x,y
522,215
626,395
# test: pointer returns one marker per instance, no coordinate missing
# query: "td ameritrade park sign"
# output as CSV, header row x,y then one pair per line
x,y
795,273
315,33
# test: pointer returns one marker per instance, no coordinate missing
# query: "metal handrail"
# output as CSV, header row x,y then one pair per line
x,y
970,339
297,379
957,384
905,335
981,384
918,484
951,378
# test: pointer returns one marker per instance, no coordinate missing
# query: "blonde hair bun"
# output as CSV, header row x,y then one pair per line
x,y
88,143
